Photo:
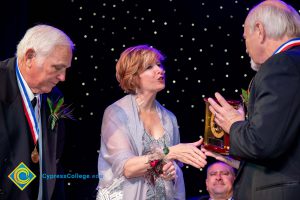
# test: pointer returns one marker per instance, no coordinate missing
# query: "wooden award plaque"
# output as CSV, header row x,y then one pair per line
x,y
215,138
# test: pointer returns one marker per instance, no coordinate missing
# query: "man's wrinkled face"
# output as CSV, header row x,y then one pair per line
x,y
252,46
47,74
249,38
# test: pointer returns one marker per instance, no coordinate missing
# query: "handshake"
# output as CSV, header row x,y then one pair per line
x,y
195,154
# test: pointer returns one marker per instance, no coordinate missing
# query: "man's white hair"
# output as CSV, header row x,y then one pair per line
x,y
279,19
42,39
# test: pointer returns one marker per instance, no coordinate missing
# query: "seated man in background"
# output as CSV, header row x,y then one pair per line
x,y
219,182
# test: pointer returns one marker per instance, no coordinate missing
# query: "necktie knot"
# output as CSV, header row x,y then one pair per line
x,y
33,102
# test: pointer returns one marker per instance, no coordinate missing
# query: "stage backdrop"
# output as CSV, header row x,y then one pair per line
x,y
201,39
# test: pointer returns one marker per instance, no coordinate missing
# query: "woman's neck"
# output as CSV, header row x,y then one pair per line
x,y
145,102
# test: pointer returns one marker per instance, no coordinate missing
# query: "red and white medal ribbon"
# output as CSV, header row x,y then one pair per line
x,y
28,109
289,44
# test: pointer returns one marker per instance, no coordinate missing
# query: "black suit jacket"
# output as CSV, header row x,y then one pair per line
x,y
269,141
16,143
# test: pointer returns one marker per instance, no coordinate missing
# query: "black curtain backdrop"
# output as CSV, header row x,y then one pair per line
x,y
205,53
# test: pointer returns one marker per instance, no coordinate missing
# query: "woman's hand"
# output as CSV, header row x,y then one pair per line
x,y
169,171
188,153
226,159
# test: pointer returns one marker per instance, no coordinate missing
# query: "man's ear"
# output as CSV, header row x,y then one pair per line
x,y
29,55
260,31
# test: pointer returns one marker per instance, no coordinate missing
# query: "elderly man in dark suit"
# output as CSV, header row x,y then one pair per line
x,y
268,140
27,140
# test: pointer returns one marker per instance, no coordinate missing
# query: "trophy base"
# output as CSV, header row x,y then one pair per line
x,y
216,149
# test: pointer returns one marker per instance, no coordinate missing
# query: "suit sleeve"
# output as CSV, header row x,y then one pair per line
x,y
274,122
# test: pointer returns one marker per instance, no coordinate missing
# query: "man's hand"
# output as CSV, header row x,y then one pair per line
x,y
226,159
225,114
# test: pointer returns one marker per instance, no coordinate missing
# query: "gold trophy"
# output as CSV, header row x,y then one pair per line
x,y
215,139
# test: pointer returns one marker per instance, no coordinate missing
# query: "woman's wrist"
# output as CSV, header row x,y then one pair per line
x,y
170,155
153,156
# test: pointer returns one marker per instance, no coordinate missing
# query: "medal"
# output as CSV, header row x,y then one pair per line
x,y
35,155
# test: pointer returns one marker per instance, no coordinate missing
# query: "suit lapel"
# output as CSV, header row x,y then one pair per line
x,y
49,149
